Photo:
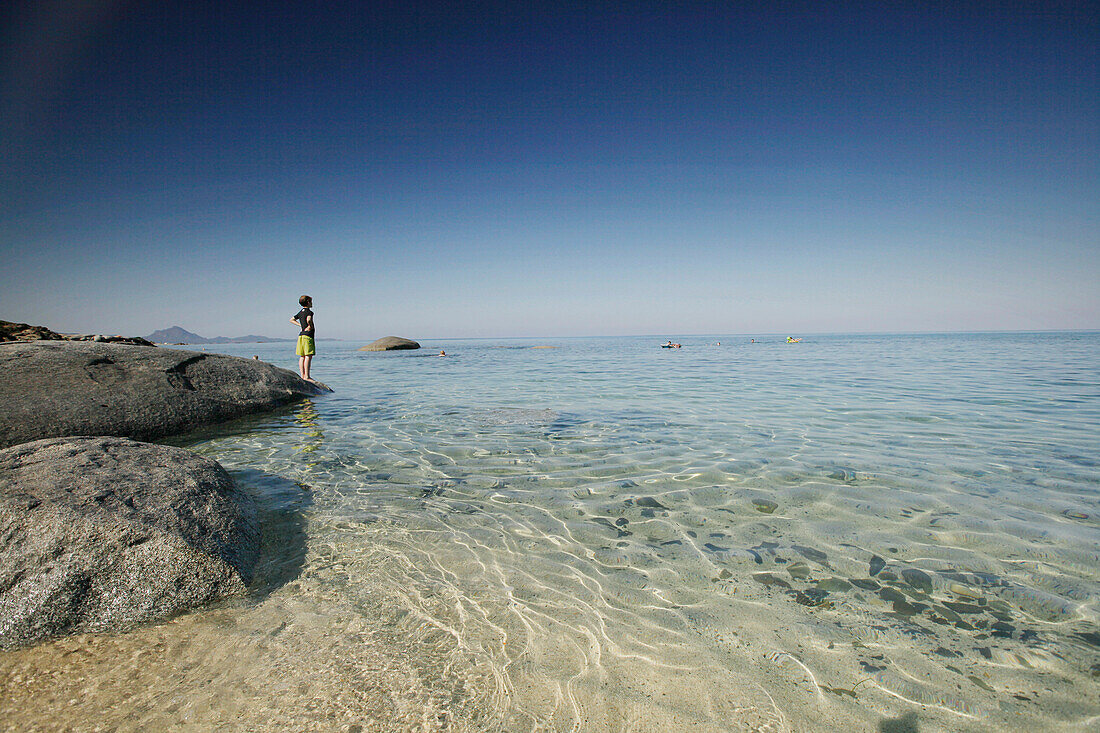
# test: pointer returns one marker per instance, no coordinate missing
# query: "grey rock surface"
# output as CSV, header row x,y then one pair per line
x,y
390,343
68,388
104,533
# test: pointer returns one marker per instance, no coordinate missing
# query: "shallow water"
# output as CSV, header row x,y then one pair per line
x,y
849,533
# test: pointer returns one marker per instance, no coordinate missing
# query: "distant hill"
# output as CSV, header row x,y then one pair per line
x,y
177,335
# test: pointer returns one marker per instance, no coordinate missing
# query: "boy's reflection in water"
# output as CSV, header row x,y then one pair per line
x,y
312,436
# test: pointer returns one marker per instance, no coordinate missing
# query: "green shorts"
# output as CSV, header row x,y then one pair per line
x,y
305,346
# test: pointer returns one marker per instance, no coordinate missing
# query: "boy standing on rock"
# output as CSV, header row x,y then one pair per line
x,y
305,350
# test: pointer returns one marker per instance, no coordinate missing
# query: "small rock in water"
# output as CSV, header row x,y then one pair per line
x,y
764,506
963,607
834,585
947,614
980,683
890,595
877,564
961,590
607,523
649,502
811,597
908,609
769,580
799,571
811,554
918,579
1090,637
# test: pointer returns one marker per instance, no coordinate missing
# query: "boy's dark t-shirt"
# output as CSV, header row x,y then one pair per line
x,y
307,330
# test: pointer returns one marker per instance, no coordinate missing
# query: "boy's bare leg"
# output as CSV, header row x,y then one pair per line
x,y
302,366
306,361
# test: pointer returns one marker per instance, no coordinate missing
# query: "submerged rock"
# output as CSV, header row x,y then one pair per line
x,y
765,506
390,343
834,585
66,388
770,580
103,533
799,570
917,579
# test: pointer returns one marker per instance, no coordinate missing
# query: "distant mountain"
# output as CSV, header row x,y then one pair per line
x,y
177,335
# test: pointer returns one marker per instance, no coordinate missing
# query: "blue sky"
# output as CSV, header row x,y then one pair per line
x,y
512,169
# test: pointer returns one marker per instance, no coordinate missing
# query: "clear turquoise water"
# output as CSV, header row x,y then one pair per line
x,y
847,533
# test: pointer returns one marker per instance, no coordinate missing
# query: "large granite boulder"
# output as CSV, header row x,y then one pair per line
x,y
391,343
66,388
104,533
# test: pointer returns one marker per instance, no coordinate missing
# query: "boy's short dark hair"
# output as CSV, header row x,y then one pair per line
x,y
305,301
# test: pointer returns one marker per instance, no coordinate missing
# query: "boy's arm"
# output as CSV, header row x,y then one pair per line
x,y
309,322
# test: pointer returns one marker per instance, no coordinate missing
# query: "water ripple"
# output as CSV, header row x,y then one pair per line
x,y
606,537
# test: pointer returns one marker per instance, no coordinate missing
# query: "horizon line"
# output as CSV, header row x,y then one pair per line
x,y
754,334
